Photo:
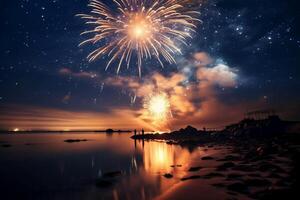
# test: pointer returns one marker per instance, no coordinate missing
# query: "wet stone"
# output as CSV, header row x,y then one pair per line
x,y
213,175
168,175
75,140
176,166
191,177
193,169
207,158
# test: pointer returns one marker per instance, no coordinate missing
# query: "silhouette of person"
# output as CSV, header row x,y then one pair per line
x,y
143,132
134,131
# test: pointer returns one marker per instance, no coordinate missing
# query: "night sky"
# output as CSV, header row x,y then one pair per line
x,y
46,82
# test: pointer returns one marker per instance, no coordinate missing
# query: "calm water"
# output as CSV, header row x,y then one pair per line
x,y
43,166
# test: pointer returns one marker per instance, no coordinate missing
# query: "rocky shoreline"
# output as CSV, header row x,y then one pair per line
x,y
247,129
263,161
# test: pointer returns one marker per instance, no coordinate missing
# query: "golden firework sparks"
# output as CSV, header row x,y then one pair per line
x,y
158,107
144,28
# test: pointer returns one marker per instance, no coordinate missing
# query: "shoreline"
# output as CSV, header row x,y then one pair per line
x,y
264,162
266,169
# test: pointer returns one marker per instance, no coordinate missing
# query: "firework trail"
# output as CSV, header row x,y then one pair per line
x,y
140,29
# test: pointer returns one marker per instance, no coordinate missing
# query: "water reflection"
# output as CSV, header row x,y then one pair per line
x,y
55,169
158,156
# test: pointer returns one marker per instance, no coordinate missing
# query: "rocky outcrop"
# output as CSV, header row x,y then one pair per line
x,y
247,128
257,128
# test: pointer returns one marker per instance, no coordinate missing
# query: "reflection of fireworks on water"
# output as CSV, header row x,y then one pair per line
x,y
144,28
158,107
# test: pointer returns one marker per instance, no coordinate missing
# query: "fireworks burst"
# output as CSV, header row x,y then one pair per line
x,y
143,29
158,106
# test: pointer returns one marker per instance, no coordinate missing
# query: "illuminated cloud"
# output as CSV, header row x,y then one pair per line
x,y
202,58
196,102
220,74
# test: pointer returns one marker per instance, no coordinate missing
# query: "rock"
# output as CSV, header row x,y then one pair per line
x,y
213,175
112,174
168,175
190,129
191,177
238,187
193,169
176,166
109,130
207,158
75,140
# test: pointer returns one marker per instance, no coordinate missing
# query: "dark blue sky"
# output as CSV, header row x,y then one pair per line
x,y
259,38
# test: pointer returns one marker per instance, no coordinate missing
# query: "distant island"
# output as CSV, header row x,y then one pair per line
x,y
114,131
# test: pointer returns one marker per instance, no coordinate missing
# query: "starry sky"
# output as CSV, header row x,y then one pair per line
x,y
248,51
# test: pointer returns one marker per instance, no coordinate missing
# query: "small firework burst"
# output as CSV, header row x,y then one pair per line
x,y
158,107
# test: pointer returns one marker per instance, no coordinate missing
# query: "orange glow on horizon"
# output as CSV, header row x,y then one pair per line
x,y
16,118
